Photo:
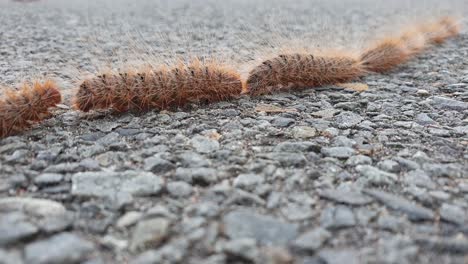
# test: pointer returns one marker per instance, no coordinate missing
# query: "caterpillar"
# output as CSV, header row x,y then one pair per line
x,y
438,32
389,53
301,70
161,88
19,110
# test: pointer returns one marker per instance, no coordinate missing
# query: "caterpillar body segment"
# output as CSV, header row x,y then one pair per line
x,y
19,110
301,70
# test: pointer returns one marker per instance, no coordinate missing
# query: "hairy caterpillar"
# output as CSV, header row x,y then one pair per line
x,y
300,71
161,88
440,31
19,110
389,53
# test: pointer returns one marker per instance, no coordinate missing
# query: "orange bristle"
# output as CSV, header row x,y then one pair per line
x,y
19,110
301,71
159,89
385,55
441,30
413,41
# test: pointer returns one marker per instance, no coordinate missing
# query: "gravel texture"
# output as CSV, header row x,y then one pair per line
x,y
330,176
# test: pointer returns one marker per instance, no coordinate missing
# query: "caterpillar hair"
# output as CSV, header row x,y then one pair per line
x,y
440,31
19,110
389,53
301,70
385,55
162,88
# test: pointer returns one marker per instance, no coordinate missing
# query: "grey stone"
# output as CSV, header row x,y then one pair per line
x,y
243,249
337,217
347,105
15,227
330,132
204,176
10,257
150,233
61,248
248,181
296,147
371,176
364,215
419,178
63,168
424,119
107,126
448,103
439,195
311,240
340,256
389,166
34,206
359,160
48,178
49,154
444,170
158,165
348,120
110,184
338,152
326,113
183,174
446,245
231,112
148,257
303,132
47,215
453,214
421,157
287,159
397,249
170,253
297,211
159,211
282,122
109,139
407,164
128,219
346,196
391,223
193,160
204,144
265,229
412,210
439,132
342,141
179,189
461,130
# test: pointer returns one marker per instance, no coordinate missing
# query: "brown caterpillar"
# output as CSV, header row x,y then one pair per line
x,y
440,31
391,52
162,88
19,110
301,71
